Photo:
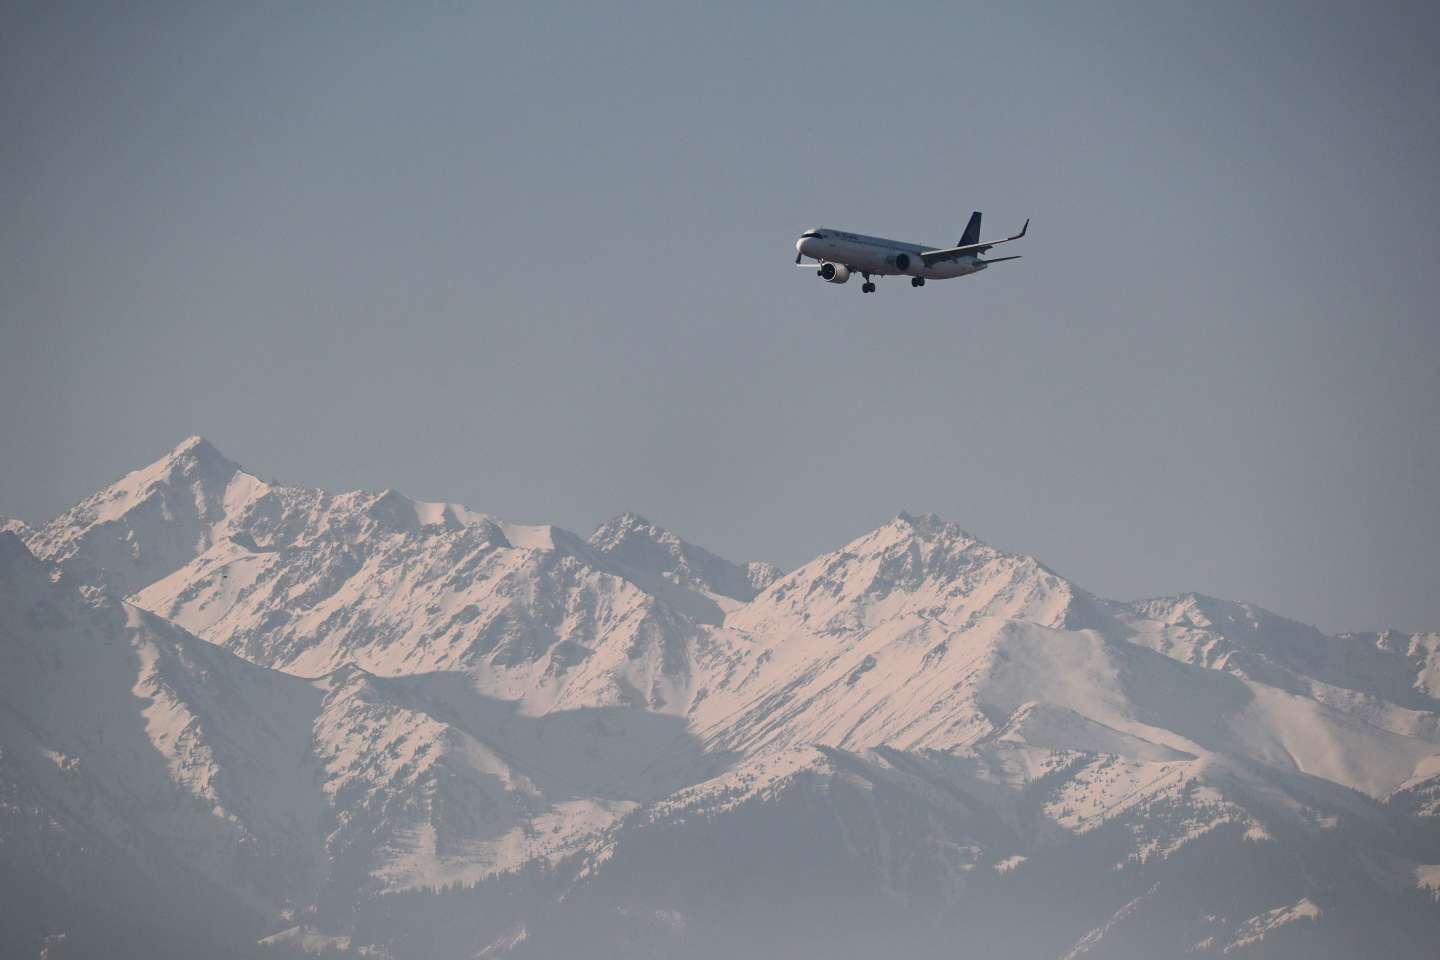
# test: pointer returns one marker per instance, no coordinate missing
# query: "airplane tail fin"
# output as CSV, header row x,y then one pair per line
x,y
972,231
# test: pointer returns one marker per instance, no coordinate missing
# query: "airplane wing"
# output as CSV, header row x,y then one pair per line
x,y
950,253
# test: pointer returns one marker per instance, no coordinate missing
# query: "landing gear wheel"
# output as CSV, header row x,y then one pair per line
x,y
867,288
917,281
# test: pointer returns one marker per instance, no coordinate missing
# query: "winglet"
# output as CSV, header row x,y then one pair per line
x,y
1023,229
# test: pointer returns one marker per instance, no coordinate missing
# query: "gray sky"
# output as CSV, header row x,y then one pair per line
x,y
539,261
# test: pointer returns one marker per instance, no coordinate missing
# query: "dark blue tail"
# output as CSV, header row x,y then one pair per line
x,y
972,231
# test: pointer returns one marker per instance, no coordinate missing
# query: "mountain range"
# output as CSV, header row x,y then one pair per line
x,y
242,718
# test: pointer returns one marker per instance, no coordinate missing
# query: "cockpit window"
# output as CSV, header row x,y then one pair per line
x,y
813,233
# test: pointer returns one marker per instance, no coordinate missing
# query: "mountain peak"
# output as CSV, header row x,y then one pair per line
x,y
151,520
196,450
918,519
928,532
915,563
632,519
194,458
628,524
654,551
1200,610
930,526
194,444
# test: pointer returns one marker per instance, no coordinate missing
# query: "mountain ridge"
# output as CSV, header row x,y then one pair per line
x,y
408,710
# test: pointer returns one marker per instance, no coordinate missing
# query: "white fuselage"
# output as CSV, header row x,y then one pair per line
x,y
881,257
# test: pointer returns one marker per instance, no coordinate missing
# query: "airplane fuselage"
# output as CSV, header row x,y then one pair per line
x,y
881,257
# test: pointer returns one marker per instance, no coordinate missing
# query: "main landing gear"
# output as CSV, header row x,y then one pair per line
x,y
867,286
917,281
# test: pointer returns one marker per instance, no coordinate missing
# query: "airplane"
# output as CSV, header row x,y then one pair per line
x,y
840,254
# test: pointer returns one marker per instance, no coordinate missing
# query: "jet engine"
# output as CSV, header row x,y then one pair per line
x,y
903,262
833,272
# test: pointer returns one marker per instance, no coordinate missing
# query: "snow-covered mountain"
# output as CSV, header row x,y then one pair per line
x,y
146,773
137,756
369,723
151,521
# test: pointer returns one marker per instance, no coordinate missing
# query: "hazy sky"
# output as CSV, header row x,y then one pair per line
x,y
539,261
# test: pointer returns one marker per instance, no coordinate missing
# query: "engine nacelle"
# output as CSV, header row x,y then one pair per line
x,y
833,272
909,263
